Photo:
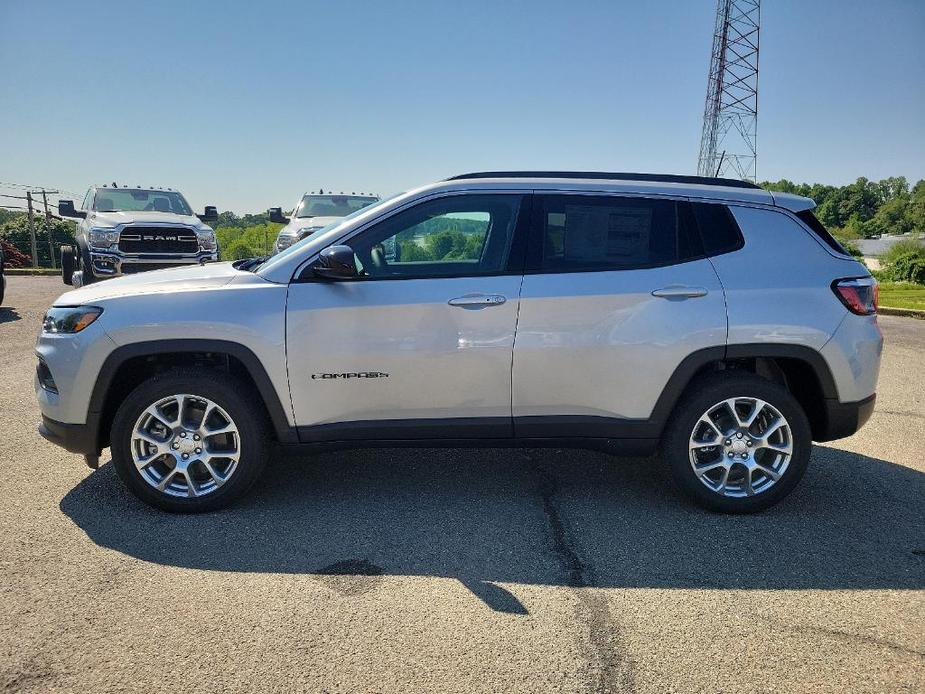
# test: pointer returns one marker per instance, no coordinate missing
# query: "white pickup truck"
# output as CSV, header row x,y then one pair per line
x,y
125,230
314,212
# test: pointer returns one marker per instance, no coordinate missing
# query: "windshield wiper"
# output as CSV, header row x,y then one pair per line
x,y
250,264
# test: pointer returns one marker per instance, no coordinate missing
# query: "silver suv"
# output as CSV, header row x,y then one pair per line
x,y
122,230
709,319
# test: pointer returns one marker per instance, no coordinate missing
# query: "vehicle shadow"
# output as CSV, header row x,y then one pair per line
x,y
537,517
8,315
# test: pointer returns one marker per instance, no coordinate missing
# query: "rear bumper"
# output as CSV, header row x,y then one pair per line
x,y
845,418
76,438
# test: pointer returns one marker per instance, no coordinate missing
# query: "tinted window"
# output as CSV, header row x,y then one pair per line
x,y
454,236
809,219
610,233
718,229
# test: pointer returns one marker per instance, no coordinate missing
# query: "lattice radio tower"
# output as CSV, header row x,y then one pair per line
x,y
729,143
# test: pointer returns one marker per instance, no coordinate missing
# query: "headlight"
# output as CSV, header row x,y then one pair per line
x,y
285,240
206,240
69,319
308,231
103,238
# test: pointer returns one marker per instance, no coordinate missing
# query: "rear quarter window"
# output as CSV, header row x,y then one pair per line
x,y
809,219
718,228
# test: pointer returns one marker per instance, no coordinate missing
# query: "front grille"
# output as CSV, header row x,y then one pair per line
x,y
158,240
131,268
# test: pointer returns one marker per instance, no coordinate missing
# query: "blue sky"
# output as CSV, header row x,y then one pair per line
x,y
247,104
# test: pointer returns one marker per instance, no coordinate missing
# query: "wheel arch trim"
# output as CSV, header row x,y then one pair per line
x,y
285,432
684,374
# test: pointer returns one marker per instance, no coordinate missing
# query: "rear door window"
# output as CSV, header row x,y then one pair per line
x,y
582,233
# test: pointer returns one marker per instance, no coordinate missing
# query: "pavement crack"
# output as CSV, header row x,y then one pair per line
x,y
842,635
608,667
901,413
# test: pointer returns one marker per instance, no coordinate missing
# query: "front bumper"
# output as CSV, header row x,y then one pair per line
x,y
845,418
76,438
114,263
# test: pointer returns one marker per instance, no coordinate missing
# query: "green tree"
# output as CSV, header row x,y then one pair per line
x,y
237,250
916,210
15,229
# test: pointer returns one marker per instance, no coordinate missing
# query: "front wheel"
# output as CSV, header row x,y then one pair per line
x,y
189,441
737,443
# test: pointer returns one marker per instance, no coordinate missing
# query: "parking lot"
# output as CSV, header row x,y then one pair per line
x,y
463,570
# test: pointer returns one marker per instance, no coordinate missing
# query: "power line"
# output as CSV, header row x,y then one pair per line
x,y
51,190
52,215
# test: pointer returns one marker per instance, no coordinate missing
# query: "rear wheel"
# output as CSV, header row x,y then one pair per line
x,y
737,443
189,441
68,263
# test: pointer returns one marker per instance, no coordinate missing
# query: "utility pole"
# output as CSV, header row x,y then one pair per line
x,y
35,250
51,245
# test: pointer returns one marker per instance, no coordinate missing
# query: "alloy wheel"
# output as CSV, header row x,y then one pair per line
x,y
740,447
185,445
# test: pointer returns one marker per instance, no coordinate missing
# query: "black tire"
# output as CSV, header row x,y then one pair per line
x,y
700,397
68,263
235,396
86,267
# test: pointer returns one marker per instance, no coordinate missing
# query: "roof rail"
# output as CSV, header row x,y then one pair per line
x,y
604,176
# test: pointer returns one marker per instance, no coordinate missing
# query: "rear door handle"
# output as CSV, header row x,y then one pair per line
x,y
679,292
477,300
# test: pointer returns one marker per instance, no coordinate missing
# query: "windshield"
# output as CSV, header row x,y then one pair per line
x,y
324,230
138,200
332,205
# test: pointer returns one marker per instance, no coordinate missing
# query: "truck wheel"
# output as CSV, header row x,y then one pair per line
x,y
190,440
737,443
68,263
86,268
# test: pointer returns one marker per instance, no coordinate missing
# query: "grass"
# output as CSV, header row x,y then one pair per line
x,y
902,295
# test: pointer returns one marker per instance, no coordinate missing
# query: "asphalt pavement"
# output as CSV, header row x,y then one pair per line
x,y
463,570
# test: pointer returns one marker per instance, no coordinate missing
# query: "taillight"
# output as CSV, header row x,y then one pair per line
x,y
860,295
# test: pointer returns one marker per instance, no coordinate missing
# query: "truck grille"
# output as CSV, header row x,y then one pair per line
x,y
132,268
157,240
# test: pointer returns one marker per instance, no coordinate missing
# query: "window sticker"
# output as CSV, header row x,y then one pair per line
x,y
606,233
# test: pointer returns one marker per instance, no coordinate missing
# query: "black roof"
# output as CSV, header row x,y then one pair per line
x,y
602,175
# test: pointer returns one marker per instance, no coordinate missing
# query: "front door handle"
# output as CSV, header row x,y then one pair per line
x,y
477,300
677,291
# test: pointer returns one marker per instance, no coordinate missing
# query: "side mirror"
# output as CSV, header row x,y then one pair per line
x,y
276,215
66,209
210,214
336,263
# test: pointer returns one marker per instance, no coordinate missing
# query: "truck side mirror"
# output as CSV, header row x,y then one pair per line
x,y
276,215
66,209
210,214
336,263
